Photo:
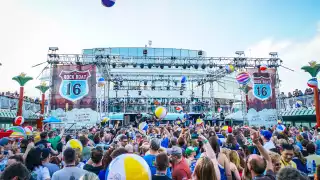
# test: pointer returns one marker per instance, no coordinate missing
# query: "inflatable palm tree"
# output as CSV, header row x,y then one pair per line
x,y
313,69
22,79
43,88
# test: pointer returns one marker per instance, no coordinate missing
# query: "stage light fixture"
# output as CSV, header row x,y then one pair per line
x,y
220,67
145,82
196,66
134,65
200,53
169,66
149,66
145,52
203,66
184,66
153,88
177,66
211,66
114,65
188,66
161,66
157,66
181,93
141,66
176,83
123,65
168,88
139,92
121,82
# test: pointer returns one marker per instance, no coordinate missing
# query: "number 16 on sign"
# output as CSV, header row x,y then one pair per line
x,y
262,91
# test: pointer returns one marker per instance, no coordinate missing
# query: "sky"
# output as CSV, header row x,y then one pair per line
x,y
28,28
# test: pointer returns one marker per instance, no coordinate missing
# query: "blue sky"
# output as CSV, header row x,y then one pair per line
x,y
218,27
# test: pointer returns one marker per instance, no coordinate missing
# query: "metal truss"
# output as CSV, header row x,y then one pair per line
x,y
184,62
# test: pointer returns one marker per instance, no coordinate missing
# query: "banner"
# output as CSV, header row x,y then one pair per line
x,y
262,97
73,86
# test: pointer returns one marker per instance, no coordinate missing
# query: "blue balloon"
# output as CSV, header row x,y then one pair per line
x,y
101,79
183,79
108,3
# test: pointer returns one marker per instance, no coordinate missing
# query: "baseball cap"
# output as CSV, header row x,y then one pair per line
x,y
190,150
266,134
4,141
175,150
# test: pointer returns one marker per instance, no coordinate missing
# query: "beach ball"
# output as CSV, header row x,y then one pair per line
x,y
28,131
17,135
129,167
280,128
225,128
160,112
178,122
243,78
313,83
74,144
183,79
229,68
298,104
179,109
199,121
143,126
105,119
101,82
19,120
263,67
108,3
17,129
29,127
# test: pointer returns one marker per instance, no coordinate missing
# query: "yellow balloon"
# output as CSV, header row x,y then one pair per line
x,y
160,112
74,144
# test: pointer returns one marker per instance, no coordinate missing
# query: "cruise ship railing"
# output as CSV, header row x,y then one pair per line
x,y
306,101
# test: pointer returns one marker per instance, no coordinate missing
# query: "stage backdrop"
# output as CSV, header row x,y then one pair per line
x,y
262,98
73,89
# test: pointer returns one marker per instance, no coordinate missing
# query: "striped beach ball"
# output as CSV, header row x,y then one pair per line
x,y
129,167
229,68
298,104
143,126
243,78
108,3
19,120
280,128
313,83
263,67
160,112
179,109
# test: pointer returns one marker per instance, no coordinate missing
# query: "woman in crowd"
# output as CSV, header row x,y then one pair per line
x,y
34,164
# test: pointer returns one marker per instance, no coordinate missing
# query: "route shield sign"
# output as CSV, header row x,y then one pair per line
x,y
74,84
262,89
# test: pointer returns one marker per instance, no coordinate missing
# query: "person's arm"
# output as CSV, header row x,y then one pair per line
x,y
227,167
262,150
211,154
235,171
29,147
45,174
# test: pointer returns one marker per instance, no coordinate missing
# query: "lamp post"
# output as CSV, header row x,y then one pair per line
x,y
22,79
313,70
43,88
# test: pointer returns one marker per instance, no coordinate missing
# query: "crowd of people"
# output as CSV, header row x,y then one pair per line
x,y
171,151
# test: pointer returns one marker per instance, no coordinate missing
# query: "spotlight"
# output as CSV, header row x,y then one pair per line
x,y
199,83
157,66
114,65
211,66
121,83
161,66
196,66
177,66
181,93
168,88
145,82
169,66
199,53
176,83
142,66
184,66
153,88
203,66
149,66
139,92
123,65
134,65
189,66
220,67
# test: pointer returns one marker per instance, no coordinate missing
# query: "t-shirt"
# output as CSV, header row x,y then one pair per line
x,y
54,142
154,177
268,176
314,157
151,160
40,173
86,153
68,172
181,171
93,169
165,142
52,168
42,142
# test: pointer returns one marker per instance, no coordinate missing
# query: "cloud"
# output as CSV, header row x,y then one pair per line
x,y
294,54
